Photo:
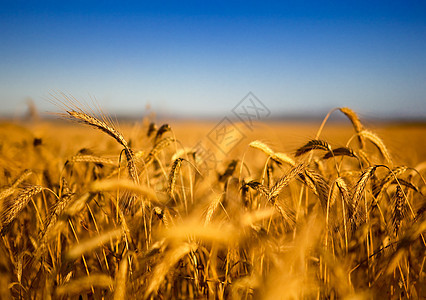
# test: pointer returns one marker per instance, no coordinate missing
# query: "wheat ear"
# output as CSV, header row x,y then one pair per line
x,y
10,190
356,123
163,129
151,129
15,206
280,158
359,190
157,149
174,171
285,180
378,143
341,151
92,159
258,187
385,182
85,118
318,184
312,145
398,208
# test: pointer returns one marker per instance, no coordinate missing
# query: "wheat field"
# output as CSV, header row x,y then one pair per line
x,y
93,209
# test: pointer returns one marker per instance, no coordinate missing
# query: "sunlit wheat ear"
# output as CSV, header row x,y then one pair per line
x,y
313,145
262,147
7,192
158,147
126,185
334,190
379,188
283,158
162,130
174,171
15,206
359,190
398,208
255,185
280,158
109,129
344,192
56,210
365,161
356,123
373,138
287,214
318,184
70,209
131,167
164,215
407,184
10,190
92,159
285,180
167,218
184,152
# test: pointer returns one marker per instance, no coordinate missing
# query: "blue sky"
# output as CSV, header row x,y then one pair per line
x,y
200,58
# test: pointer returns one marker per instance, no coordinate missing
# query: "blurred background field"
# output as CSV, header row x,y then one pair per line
x,y
406,141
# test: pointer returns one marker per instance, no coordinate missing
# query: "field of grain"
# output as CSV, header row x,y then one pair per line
x,y
99,210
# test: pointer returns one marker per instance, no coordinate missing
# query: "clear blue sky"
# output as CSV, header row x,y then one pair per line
x,y
202,57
